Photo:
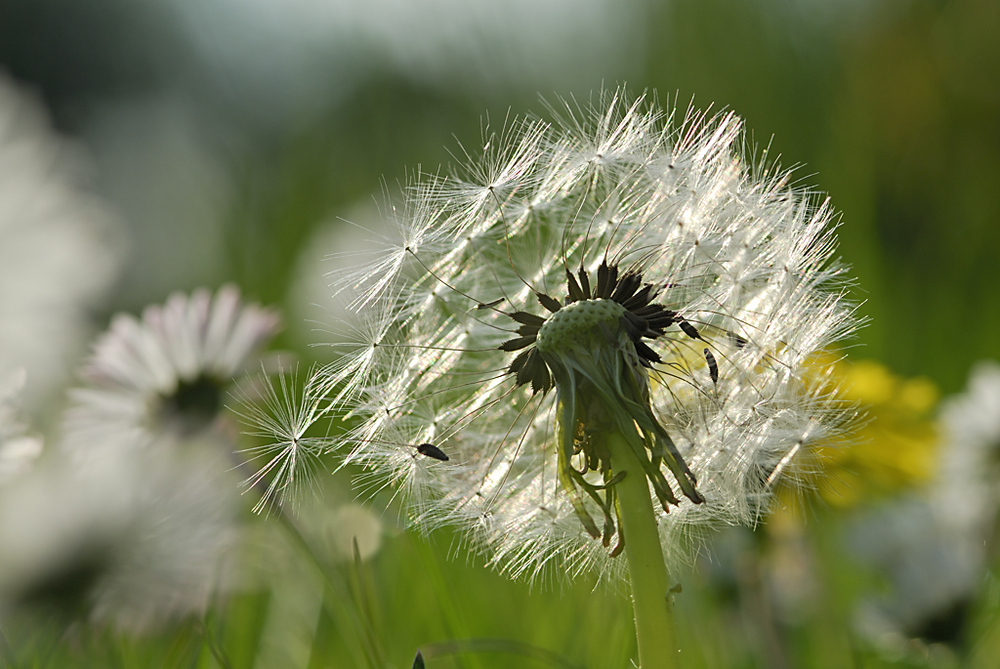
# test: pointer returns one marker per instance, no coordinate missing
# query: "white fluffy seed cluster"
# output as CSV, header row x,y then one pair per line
x,y
743,258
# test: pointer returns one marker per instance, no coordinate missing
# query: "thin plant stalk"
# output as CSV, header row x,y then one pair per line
x,y
653,610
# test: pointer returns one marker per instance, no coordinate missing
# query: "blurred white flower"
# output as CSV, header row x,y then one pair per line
x,y
633,263
59,248
968,484
165,375
134,542
935,548
18,448
160,165
933,568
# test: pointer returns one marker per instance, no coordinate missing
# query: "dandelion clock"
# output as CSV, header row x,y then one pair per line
x,y
592,342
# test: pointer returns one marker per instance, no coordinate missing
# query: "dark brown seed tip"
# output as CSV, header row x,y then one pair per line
x,y
432,451
689,330
713,366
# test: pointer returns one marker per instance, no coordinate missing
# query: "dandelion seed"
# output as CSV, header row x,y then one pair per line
x,y
713,365
432,451
282,417
582,278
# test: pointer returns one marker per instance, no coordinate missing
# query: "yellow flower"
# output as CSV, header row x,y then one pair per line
x,y
894,448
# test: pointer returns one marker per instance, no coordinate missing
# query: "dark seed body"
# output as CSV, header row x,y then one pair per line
x,y
432,451
713,366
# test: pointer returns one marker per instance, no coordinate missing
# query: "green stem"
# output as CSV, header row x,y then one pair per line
x,y
654,620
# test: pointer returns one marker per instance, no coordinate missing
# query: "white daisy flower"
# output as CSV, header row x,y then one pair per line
x,y
133,542
165,375
934,568
612,301
59,251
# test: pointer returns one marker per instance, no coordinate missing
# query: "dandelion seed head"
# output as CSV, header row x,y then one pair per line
x,y
621,269
354,525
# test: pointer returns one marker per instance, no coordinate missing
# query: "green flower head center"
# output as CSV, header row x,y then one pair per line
x,y
590,350
602,390
579,325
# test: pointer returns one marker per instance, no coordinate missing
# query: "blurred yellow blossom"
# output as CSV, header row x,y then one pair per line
x,y
892,449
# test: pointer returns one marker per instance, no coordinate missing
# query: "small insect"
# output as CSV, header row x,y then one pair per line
x,y
432,451
713,366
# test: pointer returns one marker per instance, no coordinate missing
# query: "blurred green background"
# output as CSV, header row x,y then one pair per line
x,y
227,133
232,138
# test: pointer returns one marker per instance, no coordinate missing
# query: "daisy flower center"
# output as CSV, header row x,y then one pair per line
x,y
193,405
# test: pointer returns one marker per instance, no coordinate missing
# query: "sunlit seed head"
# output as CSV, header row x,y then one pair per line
x,y
619,269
